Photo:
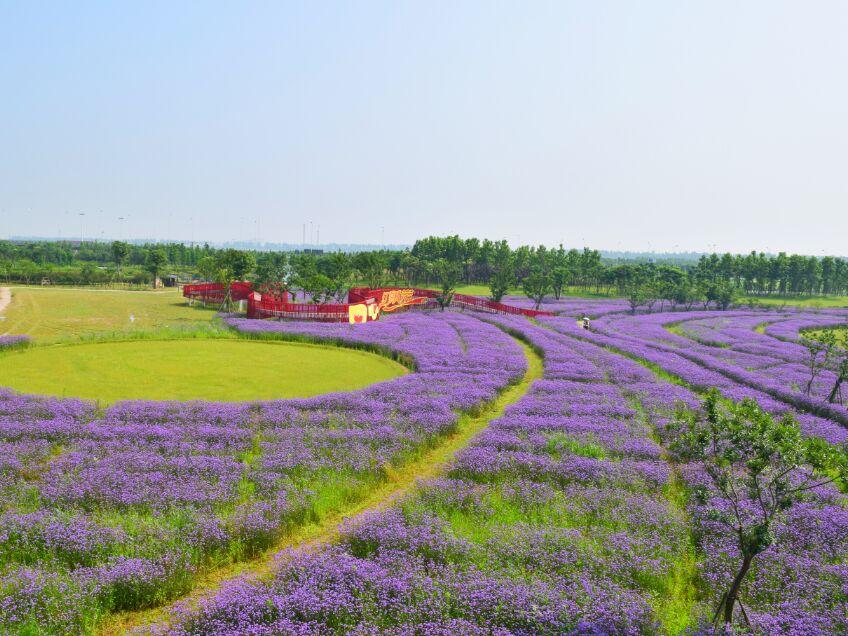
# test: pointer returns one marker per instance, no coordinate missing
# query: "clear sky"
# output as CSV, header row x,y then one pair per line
x,y
621,125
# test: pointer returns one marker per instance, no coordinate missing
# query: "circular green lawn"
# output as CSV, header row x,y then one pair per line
x,y
220,370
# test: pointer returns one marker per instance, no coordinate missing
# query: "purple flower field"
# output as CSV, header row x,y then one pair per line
x,y
120,509
566,515
13,341
563,517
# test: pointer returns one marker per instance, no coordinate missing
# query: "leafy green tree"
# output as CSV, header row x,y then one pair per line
x,y
238,263
272,275
207,268
683,293
120,251
758,468
724,294
537,285
303,268
25,270
502,276
561,273
338,268
88,273
537,282
819,352
320,287
372,267
637,295
156,262
447,275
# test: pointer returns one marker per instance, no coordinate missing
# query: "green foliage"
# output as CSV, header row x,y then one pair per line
x,y
447,275
237,263
120,251
372,267
502,275
758,467
157,259
538,281
272,275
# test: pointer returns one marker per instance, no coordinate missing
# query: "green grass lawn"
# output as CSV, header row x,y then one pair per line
x,y
207,369
48,314
798,301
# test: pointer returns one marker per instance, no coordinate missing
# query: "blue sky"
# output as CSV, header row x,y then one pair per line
x,y
649,125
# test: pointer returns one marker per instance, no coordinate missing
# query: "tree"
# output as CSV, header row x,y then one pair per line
x,y
272,275
758,468
88,273
207,268
560,271
372,267
237,262
536,285
502,276
819,351
724,294
841,371
683,293
667,280
320,287
303,267
120,251
637,296
447,275
25,269
156,262
338,268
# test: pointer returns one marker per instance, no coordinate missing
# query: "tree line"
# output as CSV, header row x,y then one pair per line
x,y
444,262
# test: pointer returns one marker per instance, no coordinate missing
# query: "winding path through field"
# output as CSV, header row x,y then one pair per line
x,y
430,464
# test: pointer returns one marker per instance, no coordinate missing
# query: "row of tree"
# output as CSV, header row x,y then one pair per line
x,y
67,253
445,262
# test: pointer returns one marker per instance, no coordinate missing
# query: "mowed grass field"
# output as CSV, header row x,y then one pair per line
x,y
798,301
49,314
86,346
195,369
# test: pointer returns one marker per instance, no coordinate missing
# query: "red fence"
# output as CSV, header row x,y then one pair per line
x,y
259,306
363,303
484,304
214,292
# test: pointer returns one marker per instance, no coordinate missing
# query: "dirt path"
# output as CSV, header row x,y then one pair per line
x,y
430,464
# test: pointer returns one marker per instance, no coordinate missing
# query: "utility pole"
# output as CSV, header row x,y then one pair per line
x,y
82,229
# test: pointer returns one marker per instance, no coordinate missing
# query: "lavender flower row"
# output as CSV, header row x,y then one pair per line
x,y
703,367
121,509
553,521
14,341
798,585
